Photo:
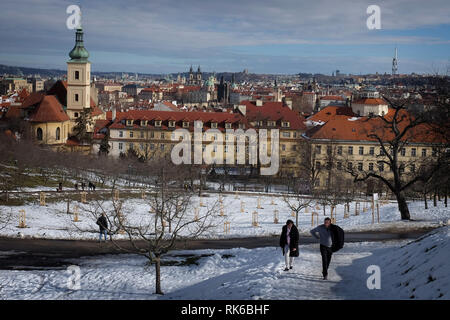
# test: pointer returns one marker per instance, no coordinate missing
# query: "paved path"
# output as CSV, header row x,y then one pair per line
x,y
40,253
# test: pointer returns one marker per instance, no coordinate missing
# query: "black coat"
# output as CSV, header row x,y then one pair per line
x,y
293,243
102,223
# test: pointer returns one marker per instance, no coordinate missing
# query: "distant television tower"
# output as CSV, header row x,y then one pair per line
x,y
395,64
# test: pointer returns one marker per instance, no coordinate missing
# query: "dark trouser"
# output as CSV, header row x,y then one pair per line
x,y
326,258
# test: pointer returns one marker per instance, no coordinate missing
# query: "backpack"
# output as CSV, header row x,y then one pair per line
x,y
337,237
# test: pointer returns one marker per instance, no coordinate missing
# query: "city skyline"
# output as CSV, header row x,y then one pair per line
x,y
273,37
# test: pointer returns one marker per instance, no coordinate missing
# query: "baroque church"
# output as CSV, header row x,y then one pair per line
x,y
53,115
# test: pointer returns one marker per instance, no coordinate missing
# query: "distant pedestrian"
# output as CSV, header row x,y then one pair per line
x,y
289,243
83,185
76,186
103,226
331,239
91,186
60,186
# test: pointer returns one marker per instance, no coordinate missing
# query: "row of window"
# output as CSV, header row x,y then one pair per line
x,y
360,166
40,134
150,147
371,151
214,136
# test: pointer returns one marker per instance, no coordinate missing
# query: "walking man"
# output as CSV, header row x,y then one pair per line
x,y
289,243
324,234
103,225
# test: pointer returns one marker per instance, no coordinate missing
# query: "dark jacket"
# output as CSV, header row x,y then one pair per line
x,y
337,236
294,240
102,223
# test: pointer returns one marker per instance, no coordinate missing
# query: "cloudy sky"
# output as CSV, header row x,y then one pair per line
x,y
263,36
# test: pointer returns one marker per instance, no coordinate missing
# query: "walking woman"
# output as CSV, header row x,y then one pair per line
x,y
289,243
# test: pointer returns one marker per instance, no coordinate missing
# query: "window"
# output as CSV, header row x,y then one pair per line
x,y
372,151
329,150
77,75
434,152
403,152
361,151
413,167
152,146
350,150
241,126
283,147
214,125
424,152
339,165
271,123
286,134
185,124
39,134
294,147
58,133
360,166
152,134
380,166
131,134
142,134
157,123
162,135
339,150
227,125
285,124
162,146
318,149
370,166
413,152
76,114
318,165
76,96
350,166
120,134
129,122
381,152
401,169
171,124
120,146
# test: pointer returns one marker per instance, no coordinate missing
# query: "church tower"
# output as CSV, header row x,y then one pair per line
x,y
78,79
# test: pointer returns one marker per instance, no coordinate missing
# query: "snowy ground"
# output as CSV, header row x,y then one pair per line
x,y
52,221
415,270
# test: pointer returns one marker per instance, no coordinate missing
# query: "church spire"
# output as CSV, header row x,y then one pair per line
x,y
79,52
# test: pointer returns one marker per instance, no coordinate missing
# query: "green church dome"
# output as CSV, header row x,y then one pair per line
x,y
79,52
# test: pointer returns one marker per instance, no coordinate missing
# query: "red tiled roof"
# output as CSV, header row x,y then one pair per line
x,y
358,129
32,99
331,112
372,101
49,110
274,111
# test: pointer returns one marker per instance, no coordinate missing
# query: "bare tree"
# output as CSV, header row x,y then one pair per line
x,y
393,132
170,219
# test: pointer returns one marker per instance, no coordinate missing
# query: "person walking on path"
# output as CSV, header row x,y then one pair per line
x,y
289,243
103,225
324,234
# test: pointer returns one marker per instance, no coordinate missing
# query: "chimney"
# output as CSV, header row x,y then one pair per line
x,y
114,114
259,103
